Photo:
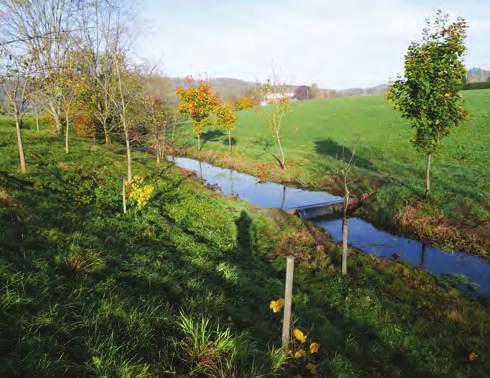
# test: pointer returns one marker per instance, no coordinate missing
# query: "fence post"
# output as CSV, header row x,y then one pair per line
x,y
288,299
124,194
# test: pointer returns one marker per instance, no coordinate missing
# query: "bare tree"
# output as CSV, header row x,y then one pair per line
x,y
43,29
274,93
345,175
17,74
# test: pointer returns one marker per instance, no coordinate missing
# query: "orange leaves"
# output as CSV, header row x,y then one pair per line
x,y
197,102
472,357
314,348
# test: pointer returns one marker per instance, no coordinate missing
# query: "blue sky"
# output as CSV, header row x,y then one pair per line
x,y
337,44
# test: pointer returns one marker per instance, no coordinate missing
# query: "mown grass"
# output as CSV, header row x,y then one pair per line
x,y
182,286
319,134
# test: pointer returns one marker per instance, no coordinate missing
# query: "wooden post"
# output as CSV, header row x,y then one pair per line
x,y
345,246
124,195
288,299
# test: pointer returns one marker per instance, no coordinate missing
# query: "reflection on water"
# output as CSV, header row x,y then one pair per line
x,y
366,237
362,235
260,194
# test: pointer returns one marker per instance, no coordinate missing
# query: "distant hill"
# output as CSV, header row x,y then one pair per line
x,y
229,88
232,89
225,88
477,75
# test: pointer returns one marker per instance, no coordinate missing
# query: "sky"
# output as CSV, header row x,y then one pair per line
x,y
336,44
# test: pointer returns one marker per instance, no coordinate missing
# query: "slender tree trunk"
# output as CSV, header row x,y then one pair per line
x,y
37,121
345,247
427,175
288,300
164,143
283,158
55,113
124,122
199,142
107,135
229,139
124,195
20,144
158,152
128,151
67,133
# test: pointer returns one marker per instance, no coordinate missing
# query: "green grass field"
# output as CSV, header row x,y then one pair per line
x,y
318,134
88,291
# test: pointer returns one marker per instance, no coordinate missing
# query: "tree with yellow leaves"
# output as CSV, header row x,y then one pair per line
x,y
226,118
197,103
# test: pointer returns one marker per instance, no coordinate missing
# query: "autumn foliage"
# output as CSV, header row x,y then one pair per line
x,y
204,109
245,102
197,103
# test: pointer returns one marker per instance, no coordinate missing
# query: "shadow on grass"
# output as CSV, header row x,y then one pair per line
x,y
211,136
330,148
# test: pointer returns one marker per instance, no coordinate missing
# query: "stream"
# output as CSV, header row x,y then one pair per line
x,y
362,234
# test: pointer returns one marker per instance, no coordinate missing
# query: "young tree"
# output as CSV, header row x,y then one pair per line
x,y
226,118
17,74
344,173
198,103
120,100
70,86
43,30
428,95
156,118
277,96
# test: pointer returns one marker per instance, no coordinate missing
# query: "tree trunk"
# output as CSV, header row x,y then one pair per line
x,y
55,113
107,135
199,142
427,175
229,139
37,122
158,147
288,299
345,247
125,125
283,158
124,195
164,143
20,144
128,151
67,134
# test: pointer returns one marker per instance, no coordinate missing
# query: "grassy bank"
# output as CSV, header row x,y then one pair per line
x,y
318,134
88,291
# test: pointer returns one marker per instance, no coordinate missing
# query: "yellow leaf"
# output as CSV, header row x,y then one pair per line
x,y
299,335
300,353
314,347
276,306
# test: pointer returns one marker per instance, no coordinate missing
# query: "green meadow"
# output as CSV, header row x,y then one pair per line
x,y
181,286
319,134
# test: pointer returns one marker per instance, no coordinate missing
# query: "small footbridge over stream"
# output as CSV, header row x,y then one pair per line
x,y
330,209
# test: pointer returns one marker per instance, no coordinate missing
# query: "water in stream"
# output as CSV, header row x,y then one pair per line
x,y
362,234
